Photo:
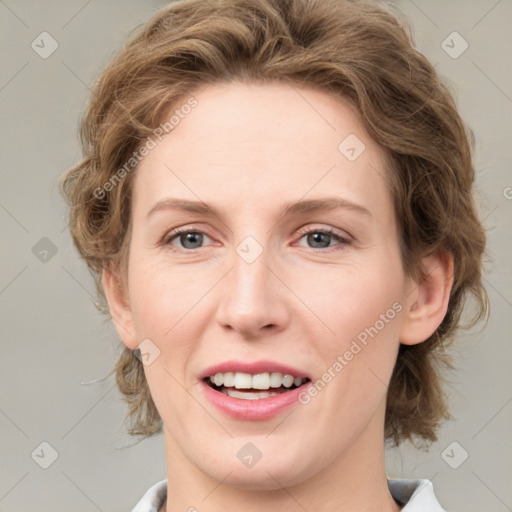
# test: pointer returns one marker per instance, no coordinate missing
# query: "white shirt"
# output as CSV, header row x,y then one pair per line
x,y
413,495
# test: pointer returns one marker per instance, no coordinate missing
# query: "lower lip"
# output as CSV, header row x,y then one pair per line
x,y
252,410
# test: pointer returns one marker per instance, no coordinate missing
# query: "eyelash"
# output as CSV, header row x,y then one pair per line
x,y
342,241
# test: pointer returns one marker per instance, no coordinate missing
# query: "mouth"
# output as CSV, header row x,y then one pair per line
x,y
246,386
253,391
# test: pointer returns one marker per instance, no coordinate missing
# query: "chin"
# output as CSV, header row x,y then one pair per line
x,y
265,478
271,472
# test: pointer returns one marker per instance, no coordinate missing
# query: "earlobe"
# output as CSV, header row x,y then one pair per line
x,y
119,307
428,300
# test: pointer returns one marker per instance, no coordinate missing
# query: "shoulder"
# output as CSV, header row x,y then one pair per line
x,y
153,498
415,495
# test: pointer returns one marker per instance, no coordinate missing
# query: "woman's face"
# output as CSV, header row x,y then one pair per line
x,y
265,278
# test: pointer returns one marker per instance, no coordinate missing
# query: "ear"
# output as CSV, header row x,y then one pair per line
x,y
427,300
119,306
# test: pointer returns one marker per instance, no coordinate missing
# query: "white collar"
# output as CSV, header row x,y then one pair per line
x,y
414,495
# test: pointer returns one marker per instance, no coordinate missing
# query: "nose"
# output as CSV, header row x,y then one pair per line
x,y
253,298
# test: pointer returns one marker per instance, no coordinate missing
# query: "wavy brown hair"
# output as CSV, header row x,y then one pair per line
x,y
357,50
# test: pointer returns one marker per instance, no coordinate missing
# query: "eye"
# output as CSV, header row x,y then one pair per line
x,y
188,239
322,238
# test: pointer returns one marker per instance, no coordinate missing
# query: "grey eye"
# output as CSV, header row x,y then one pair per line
x,y
191,240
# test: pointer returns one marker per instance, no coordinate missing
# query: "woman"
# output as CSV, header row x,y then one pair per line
x,y
276,203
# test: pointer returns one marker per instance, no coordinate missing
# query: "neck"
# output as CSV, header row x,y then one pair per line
x,y
354,480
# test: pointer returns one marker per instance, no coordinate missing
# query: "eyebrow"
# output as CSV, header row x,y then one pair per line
x,y
295,207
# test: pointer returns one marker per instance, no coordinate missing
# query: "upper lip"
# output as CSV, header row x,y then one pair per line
x,y
253,368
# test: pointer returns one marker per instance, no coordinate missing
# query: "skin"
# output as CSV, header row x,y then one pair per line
x,y
247,150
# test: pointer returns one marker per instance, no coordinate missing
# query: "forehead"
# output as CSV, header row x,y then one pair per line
x,y
244,143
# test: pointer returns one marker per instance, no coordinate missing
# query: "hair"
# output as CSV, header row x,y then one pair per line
x,y
357,50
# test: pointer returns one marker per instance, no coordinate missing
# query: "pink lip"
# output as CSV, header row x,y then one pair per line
x,y
252,368
252,410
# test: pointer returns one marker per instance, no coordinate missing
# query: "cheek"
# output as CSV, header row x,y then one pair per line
x,y
166,309
357,339
347,300
161,297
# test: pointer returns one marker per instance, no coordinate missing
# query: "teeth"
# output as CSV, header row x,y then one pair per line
x,y
229,379
242,380
276,380
262,381
288,381
247,395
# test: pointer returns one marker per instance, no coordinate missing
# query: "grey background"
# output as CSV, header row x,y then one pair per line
x,y
53,339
